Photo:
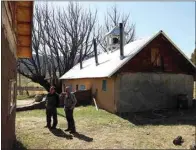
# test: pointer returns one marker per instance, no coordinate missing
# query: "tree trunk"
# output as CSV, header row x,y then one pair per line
x,y
46,84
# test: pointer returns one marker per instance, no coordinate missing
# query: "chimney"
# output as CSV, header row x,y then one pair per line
x,y
95,50
81,59
121,40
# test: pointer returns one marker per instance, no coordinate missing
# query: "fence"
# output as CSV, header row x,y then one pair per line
x,y
83,97
30,90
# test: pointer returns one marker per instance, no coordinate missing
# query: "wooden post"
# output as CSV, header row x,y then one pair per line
x,y
19,75
194,90
95,104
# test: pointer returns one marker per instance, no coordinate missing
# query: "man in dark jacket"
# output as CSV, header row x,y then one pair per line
x,y
52,102
69,105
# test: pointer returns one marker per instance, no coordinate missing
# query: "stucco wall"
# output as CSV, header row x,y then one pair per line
x,y
145,91
105,99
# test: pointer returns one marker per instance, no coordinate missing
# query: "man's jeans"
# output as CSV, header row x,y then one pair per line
x,y
70,119
52,112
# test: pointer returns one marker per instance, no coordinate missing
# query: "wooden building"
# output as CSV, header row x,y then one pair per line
x,y
15,43
146,74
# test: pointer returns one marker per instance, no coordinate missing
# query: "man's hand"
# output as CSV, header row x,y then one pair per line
x,y
62,95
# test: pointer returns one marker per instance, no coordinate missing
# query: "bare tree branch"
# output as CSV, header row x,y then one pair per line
x,y
60,38
112,18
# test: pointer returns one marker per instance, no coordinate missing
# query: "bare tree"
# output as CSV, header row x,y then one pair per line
x,y
112,18
60,38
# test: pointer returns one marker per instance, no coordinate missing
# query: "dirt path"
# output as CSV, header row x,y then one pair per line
x,y
24,102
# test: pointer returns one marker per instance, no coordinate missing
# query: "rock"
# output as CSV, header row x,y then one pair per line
x,y
178,140
39,97
193,147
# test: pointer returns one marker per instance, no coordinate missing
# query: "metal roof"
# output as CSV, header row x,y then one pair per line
x,y
111,63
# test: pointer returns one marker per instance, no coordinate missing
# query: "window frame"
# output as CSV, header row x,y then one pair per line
x,y
12,95
104,85
82,89
115,40
77,87
155,57
70,87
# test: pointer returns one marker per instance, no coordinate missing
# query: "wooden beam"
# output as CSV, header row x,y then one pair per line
x,y
24,41
24,3
24,52
24,14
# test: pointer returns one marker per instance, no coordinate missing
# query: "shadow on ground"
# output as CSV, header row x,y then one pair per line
x,y
59,114
83,137
61,133
162,117
19,146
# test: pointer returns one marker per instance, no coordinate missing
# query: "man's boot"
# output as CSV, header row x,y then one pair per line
x,y
67,129
47,126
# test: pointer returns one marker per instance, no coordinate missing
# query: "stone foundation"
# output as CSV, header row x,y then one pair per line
x,y
145,91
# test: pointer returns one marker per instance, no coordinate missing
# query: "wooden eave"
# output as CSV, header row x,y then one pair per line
x,y
24,22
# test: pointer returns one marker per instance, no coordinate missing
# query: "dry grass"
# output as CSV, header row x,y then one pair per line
x,y
97,129
26,82
24,97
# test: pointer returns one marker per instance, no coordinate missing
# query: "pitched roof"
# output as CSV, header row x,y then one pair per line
x,y
110,63
114,31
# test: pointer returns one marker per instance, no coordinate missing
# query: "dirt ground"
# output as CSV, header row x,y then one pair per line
x,y
24,102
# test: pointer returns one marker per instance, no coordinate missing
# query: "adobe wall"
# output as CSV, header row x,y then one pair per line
x,y
146,91
104,99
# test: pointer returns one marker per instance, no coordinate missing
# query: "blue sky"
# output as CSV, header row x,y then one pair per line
x,y
176,19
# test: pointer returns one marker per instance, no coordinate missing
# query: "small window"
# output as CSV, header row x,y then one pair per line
x,y
70,87
12,95
64,87
77,87
104,85
82,87
115,41
155,57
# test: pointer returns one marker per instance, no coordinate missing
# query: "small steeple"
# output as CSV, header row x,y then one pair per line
x,y
113,39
